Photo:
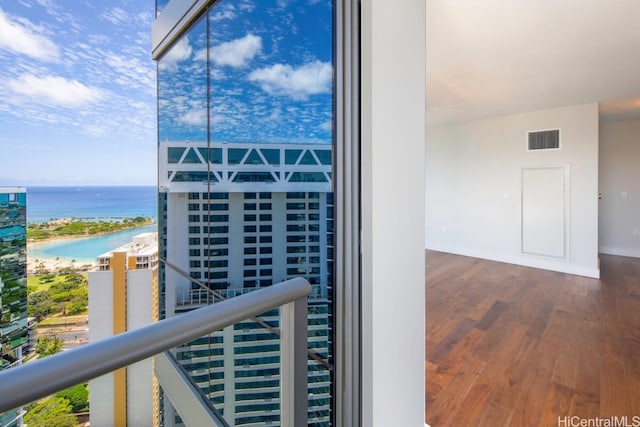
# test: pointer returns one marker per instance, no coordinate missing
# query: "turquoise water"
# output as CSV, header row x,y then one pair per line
x,y
86,249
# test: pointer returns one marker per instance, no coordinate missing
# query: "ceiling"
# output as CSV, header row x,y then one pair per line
x,y
494,57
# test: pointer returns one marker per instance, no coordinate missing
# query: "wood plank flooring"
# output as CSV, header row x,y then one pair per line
x,y
515,346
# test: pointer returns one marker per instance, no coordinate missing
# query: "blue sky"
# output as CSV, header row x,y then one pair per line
x,y
270,73
78,93
78,85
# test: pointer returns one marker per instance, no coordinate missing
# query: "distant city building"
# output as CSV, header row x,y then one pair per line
x,y
123,296
14,331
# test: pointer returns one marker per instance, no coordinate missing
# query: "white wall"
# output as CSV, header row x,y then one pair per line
x,y
619,174
101,389
473,186
392,144
140,375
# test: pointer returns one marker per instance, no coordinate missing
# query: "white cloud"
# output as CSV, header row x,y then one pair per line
x,y
217,119
45,3
181,51
227,11
54,90
237,53
276,115
194,117
200,55
21,39
246,6
131,72
298,83
146,17
326,126
116,16
95,130
98,39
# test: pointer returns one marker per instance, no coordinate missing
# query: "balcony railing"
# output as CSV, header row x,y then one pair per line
x,y
32,381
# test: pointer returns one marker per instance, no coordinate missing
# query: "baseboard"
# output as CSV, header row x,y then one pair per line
x,y
608,250
534,262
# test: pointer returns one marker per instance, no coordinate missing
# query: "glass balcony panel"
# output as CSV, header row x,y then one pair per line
x,y
238,369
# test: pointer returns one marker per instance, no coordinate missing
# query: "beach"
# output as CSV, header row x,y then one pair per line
x,y
59,205
37,264
79,252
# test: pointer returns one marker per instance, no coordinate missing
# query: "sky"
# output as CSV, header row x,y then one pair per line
x,y
78,93
78,85
270,75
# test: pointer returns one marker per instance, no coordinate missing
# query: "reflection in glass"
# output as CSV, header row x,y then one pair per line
x,y
245,127
182,88
14,337
271,71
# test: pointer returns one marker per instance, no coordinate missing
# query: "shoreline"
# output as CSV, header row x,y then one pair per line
x,y
33,243
67,220
54,265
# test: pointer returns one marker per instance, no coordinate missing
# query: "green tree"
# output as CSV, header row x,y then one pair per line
x,y
52,412
75,278
40,305
46,346
64,286
78,397
77,307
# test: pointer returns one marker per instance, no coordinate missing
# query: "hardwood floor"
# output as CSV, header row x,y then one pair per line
x,y
515,346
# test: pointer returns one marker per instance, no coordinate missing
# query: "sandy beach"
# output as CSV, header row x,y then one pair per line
x,y
37,265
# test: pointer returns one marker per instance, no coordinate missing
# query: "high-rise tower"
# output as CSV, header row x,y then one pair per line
x,y
123,296
14,336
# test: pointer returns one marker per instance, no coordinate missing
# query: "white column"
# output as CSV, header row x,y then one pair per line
x,y
393,276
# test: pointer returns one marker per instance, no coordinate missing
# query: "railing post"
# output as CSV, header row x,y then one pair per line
x,y
293,367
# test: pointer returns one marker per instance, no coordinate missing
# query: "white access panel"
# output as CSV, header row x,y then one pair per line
x,y
544,211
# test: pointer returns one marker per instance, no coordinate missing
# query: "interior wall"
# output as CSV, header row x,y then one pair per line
x,y
473,186
619,219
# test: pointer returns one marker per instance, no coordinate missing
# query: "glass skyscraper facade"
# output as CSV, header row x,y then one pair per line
x,y
245,149
14,336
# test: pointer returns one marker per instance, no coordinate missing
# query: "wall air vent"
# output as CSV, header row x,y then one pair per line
x,y
544,140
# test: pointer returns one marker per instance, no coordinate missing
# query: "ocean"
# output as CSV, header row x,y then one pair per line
x,y
108,203
90,203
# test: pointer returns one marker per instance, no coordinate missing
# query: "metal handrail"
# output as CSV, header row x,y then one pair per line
x,y
34,380
313,354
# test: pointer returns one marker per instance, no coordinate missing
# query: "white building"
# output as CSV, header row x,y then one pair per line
x,y
123,296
